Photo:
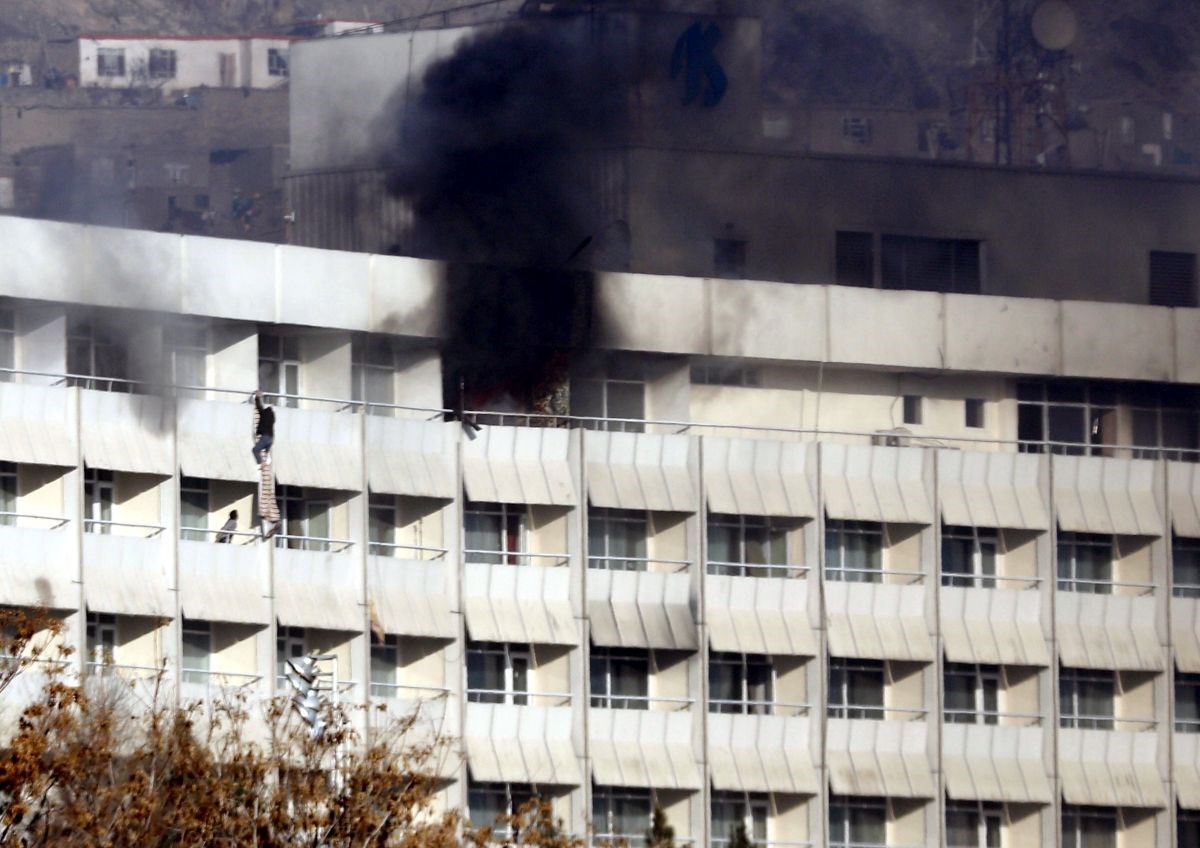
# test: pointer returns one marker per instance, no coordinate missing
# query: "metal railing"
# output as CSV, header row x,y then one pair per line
x,y
521,698
734,706
932,440
619,563
640,702
319,544
248,536
746,569
482,557
958,580
876,713
55,521
880,575
1100,722
1103,587
213,679
389,549
103,527
107,669
1186,590
992,718
1187,725
395,691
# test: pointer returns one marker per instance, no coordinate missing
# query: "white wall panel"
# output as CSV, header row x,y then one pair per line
x,y
38,568
519,603
877,621
874,758
127,575
1107,631
1183,498
123,432
411,597
640,609
315,448
215,440
520,744
224,582
640,471
1109,768
759,615
751,753
760,477
414,458
519,465
992,489
875,483
650,748
1097,494
994,626
993,763
317,589
37,425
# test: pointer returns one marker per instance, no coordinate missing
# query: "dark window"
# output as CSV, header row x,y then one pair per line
x,y
1187,824
913,414
855,688
969,556
620,678
929,264
1085,563
973,412
1172,278
1187,702
200,201
1077,417
1089,827
110,62
855,260
1085,698
729,258
162,63
277,62
1185,563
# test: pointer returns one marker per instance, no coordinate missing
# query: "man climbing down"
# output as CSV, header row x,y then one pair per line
x,y
264,438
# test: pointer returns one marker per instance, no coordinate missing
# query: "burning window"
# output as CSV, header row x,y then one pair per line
x,y
162,63
277,62
93,351
110,62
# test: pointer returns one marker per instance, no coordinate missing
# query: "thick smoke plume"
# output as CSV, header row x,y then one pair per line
x,y
498,156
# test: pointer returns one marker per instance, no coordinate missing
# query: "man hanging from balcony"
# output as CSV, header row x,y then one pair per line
x,y
264,438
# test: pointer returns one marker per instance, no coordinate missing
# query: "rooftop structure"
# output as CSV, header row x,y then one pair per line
x,y
854,567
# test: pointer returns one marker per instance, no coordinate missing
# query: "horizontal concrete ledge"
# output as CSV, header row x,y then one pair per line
x,y
744,319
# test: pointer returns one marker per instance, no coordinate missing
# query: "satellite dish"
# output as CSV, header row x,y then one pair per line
x,y
1055,25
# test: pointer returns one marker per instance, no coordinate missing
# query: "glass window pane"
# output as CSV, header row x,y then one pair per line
x,y
1067,424
626,400
483,533
962,829
722,542
724,681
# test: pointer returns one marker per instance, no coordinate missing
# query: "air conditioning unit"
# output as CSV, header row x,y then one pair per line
x,y
895,438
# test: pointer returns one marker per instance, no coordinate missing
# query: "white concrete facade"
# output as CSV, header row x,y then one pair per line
x,y
858,712
173,63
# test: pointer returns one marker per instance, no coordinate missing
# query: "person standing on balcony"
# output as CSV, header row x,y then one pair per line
x,y
264,429
225,535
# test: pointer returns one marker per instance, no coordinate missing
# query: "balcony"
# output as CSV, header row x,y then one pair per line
x,y
127,574
1109,631
880,756
521,604
225,582
997,762
37,565
517,743
878,621
641,609
994,626
411,597
318,589
770,752
760,615
643,748
1111,768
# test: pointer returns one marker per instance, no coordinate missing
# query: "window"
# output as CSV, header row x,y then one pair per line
x,y
620,678
1074,417
971,693
279,367
8,343
306,519
197,650
617,539
385,663
1085,698
620,814
382,521
973,413
1165,418
277,62
8,493
93,351
497,673
857,822
731,810
110,62
373,372
97,500
187,353
1185,565
856,129
855,259
972,825
738,543
101,637
487,803
931,264
494,533
194,507
729,258
289,645
855,688
619,396
969,556
1187,827
1187,702
914,412
1089,827
853,551
726,375
740,683
1172,278
1085,563
162,63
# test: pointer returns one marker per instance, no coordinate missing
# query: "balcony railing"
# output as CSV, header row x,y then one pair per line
x,y
1186,590
204,534
992,718
740,707
988,581
746,569
46,522
319,544
1103,587
103,527
1098,722
407,691
483,557
395,549
641,702
520,698
874,713
837,575
620,563
222,680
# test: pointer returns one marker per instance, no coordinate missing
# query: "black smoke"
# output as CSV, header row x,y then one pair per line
x,y
499,156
